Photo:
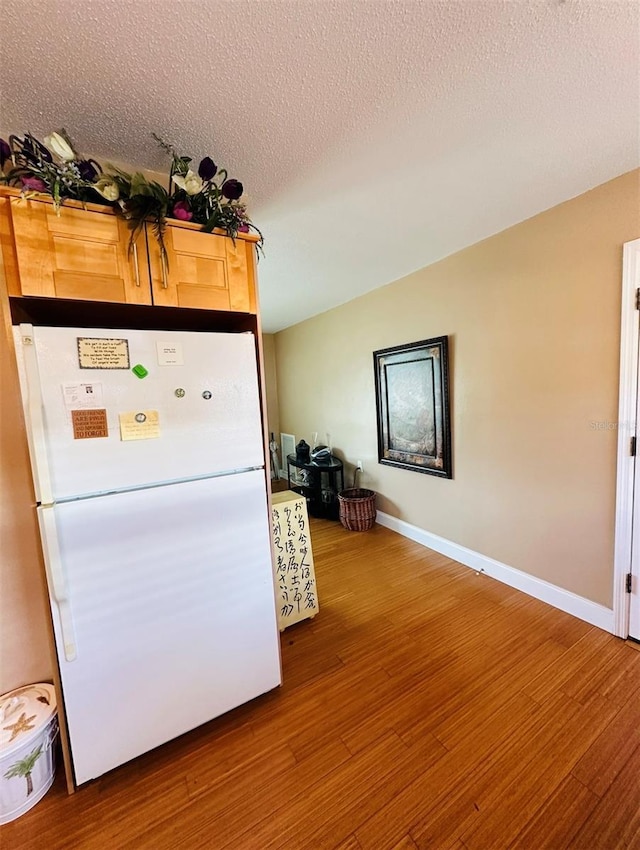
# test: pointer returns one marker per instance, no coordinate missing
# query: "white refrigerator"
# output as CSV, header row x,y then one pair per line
x,y
148,461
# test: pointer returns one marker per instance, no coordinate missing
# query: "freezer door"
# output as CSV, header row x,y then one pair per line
x,y
113,409
163,610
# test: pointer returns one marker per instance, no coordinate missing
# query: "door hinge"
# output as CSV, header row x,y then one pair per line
x,y
632,447
629,585
638,299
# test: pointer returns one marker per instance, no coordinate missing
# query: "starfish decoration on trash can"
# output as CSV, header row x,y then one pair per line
x,y
22,724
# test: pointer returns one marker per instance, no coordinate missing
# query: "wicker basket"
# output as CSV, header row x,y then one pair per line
x,y
357,509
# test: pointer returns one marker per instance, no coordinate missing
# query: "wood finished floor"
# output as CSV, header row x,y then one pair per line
x,y
425,707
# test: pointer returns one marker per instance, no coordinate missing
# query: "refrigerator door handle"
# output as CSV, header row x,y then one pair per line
x,y
56,580
35,418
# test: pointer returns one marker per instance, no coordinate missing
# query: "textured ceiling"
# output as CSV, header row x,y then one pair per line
x,y
373,137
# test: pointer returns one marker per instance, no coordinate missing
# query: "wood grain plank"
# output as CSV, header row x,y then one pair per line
x,y
463,805
605,758
463,723
559,819
232,811
615,821
350,843
434,803
583,655
335,808
525,790
405,843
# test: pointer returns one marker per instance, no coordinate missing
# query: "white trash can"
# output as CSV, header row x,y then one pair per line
x,y
28,730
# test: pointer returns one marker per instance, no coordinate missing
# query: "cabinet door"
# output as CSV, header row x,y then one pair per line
x,y
8,259
78,254
202,270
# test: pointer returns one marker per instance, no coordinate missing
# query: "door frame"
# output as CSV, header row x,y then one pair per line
x,y
627,406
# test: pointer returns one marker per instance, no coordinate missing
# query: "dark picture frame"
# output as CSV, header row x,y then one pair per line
x,y
412,404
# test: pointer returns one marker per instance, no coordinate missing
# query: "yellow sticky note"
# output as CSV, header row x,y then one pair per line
x,y
139,425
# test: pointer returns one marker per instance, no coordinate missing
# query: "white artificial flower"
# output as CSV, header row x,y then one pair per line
x,y
191,182
108,189
58,145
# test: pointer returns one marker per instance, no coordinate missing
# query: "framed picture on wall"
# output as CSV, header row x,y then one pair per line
x,y
412,403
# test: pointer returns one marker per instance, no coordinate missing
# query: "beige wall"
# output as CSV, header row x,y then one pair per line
x,y
533,316
271,389
271,384
24,637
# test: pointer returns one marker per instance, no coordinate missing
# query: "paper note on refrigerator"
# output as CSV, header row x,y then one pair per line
x,y
169,354
139,425
77,395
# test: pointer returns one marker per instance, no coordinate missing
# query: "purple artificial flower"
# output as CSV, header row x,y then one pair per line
x,y
5,152
207,168
87,170
232,189
34,184
243,228
181,210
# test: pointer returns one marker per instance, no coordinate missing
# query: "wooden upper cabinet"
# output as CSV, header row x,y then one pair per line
x,y
202,270
78,253
83,253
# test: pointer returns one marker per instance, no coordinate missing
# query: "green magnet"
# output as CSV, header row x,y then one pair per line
x,y
139,371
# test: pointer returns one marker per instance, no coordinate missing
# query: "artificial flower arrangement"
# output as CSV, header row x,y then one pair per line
x,y
207,196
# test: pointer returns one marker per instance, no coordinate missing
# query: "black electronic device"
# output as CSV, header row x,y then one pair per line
x,y
302,452
321,454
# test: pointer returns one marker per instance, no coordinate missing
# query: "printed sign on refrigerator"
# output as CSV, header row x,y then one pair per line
x,y
89,423
99,353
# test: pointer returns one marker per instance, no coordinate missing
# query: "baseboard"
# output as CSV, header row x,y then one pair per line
x,y
571,603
